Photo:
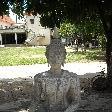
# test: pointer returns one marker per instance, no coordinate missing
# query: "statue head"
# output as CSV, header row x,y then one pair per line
x,y
55,53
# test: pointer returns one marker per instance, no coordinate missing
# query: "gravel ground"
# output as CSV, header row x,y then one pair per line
x,y
24,71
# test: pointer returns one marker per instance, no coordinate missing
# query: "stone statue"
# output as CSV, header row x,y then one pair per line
x,y
56,90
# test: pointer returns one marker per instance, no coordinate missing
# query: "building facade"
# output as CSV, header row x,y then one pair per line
x,y
31,32
10,32
36,34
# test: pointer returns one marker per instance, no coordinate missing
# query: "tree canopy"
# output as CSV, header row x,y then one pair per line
x,y
86,30
55,11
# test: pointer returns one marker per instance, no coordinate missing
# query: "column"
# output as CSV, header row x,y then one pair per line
x,y
16,37
0,39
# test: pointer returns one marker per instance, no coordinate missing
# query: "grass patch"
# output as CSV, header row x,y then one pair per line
x,y
22,56
10,56
88,56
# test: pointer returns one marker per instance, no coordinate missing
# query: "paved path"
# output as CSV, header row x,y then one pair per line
x,y
31,70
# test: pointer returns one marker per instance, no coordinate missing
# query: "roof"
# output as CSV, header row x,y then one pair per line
x,y
6,20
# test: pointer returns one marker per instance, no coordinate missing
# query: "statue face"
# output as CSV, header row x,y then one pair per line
x,y
55,59
55,56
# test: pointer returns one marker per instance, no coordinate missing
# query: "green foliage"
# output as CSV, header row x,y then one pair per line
x,y
102,42
90,28
87,29
66,29
54,12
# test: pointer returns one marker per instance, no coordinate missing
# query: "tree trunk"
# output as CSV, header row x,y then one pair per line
x,y
106,19
109,54
108,34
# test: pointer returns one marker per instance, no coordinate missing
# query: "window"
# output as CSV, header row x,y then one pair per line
x,y
32,21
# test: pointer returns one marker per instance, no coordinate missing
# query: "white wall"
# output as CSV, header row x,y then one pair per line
x,y
38,31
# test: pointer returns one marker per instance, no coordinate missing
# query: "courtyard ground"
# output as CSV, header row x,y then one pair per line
x,y
92,102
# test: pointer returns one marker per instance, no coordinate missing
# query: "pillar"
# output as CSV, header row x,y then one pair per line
x,y
16,37
0,39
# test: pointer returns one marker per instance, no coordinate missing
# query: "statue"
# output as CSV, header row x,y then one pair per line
x,y
55,90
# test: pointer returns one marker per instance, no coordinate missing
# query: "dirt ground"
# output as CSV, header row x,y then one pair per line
x,y
16,98
96,102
